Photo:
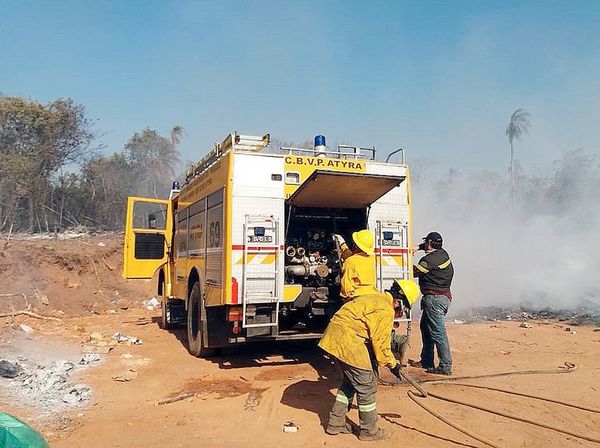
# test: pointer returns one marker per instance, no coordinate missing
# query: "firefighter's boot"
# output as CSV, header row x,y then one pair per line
x,y
368,426
337,416
335,430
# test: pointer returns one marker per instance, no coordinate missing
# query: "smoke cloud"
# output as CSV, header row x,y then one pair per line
x,y
544,253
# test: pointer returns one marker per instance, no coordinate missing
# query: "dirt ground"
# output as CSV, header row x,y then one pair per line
x,y
248,395
75,276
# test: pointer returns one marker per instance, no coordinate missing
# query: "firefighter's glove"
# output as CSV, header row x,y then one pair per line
x,y
339,238
396,370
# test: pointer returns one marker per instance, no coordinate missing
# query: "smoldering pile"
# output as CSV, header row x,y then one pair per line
x,y
48,387
587,313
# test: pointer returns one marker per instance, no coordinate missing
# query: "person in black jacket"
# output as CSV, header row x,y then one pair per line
x,y
435,272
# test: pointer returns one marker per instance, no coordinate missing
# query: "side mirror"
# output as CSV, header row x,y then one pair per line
x,y
152,221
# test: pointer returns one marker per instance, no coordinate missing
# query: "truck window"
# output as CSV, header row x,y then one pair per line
x,y
147,215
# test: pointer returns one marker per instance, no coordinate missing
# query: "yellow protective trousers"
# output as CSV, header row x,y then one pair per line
x,y
363,384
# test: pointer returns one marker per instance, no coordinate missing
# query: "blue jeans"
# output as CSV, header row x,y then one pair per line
x,y
433,331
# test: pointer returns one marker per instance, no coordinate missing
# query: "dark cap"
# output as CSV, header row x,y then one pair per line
x,y
434,237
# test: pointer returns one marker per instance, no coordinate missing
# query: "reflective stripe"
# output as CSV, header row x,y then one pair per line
x,y
342,398
367,407
421,268
445,264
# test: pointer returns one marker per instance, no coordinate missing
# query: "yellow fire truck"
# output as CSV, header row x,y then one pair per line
x,y
244,250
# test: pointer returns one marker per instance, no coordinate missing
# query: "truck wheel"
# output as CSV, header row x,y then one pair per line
x,y
196,342
166,318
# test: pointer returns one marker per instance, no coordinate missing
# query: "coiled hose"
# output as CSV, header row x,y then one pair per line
x,y
421,394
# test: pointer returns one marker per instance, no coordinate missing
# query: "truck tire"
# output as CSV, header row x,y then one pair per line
x,y
166,318
195,326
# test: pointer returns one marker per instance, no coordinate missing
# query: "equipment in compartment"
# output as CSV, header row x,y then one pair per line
x,y
312,256
312,260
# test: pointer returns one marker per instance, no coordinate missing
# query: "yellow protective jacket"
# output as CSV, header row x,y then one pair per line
x,y
368,319
358,276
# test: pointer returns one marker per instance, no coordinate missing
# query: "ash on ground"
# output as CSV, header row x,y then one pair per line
x,y
48,387
585,314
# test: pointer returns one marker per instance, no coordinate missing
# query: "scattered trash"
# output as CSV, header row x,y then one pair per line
x,y
290,427
89,358
573,332
26,329
525,325
101,244
123,338
111,311
49,386
128,375
76,394
458,322
9,369
151,304
586,312
503,352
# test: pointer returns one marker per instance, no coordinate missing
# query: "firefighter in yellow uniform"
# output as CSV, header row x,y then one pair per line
x,y
358,272
359,336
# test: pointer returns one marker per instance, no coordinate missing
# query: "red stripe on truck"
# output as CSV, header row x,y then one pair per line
x,y
390,251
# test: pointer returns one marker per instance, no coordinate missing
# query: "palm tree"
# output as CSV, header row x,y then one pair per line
x,y
519,123
176,134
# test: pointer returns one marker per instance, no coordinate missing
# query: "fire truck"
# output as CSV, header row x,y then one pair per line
x,y
243,251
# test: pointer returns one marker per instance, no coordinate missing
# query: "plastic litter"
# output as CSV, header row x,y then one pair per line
x,y
16,434
290,427
151,304
89,358
26,328
120,338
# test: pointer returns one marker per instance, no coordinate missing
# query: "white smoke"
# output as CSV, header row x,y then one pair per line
x,y
543,254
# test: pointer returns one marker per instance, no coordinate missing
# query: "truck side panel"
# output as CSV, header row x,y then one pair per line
x,y
391,214
258,189
200,235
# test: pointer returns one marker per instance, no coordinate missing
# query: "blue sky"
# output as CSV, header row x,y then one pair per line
x,y
437,78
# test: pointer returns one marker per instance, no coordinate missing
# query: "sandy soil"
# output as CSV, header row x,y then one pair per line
x,y
245,397
67,277
249,395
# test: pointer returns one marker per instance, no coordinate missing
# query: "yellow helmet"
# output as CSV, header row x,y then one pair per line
x,y
365,240
410,289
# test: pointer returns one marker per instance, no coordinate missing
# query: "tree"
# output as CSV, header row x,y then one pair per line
x,y
36,141
154,159
519,123
176,134
106,184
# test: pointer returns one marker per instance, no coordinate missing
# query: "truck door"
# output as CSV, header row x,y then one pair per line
x,y
148,232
